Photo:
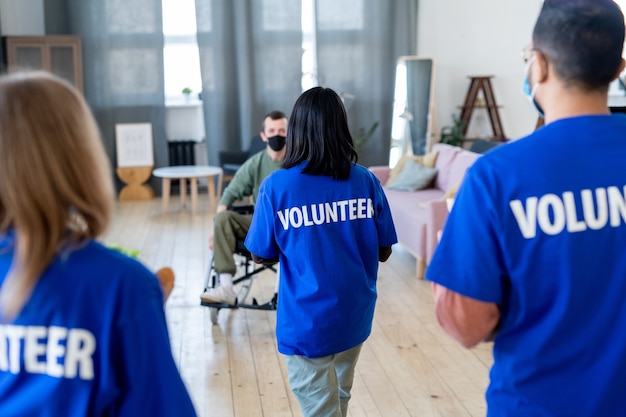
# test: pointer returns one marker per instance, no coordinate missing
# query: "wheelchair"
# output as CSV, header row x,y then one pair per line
x,y
247,272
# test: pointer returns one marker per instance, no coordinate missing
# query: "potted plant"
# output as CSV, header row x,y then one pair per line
x,y
453,135
363,136
187,92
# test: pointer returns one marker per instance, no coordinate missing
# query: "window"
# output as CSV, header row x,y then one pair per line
x,y
617,88
622,5
181,57
180,52
309,46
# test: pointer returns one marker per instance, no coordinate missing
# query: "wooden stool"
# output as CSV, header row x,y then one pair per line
x,y
134,178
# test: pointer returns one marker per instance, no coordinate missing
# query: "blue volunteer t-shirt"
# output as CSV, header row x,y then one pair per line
x,y
327,234
539,227
91,341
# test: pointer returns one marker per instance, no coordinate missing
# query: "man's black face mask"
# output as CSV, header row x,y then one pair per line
x,y
277,142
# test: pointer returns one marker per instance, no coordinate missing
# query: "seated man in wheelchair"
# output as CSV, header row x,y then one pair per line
x,y
231,226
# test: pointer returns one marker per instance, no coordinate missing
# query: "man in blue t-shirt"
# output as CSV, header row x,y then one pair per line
x,y
531,254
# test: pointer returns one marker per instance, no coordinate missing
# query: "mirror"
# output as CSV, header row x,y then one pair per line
x,y
411,128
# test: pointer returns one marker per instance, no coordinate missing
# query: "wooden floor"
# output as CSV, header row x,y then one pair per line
x,y
408,366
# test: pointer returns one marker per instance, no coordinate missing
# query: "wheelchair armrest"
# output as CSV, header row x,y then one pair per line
x,y
231,168
230,161
268,262
233,157
241,248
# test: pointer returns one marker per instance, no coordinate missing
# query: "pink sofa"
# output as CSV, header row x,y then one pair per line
x,y
420,215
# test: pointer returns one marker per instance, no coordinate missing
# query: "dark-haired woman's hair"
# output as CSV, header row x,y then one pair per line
x,y
318,133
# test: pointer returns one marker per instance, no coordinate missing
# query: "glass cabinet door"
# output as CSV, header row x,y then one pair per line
x,y
29,58
58,54
62,62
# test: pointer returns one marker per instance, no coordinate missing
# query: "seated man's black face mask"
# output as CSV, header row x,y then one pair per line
x,y
277,142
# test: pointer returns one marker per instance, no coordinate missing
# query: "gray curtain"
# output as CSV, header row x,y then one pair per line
x,y
250,54
358,44
122,63
250,58
2,65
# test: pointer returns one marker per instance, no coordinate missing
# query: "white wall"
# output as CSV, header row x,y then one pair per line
x,y
22,17
473,38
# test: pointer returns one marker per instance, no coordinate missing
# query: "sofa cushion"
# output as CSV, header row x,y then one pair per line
x,y
427,160
462,161
451,193
414,177
445,159
381,172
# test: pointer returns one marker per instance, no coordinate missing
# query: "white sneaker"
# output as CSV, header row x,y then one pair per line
x,y
219,295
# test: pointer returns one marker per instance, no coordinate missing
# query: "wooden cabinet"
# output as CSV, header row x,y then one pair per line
x,y
58,54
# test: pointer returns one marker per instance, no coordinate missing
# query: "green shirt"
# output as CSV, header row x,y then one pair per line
x,y
249,177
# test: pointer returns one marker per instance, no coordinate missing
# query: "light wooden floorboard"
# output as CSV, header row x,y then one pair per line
x,y
408,366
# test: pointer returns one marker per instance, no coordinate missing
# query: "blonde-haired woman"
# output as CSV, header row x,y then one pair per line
x,y
82,327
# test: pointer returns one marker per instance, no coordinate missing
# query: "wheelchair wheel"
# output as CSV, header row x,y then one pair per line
x,y
243,280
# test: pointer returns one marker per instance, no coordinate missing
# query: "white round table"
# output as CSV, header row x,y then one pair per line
x,y
191,173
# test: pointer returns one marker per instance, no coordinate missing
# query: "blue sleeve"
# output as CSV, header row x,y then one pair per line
x,y
384,222
148,377
260,239
468,259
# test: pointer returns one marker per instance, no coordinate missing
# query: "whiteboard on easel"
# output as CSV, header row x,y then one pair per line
x,y
134,145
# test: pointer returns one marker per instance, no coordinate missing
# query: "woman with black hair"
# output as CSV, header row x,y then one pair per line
x,y
327,221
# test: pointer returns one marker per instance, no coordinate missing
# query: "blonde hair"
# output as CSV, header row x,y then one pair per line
x,y
56,187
